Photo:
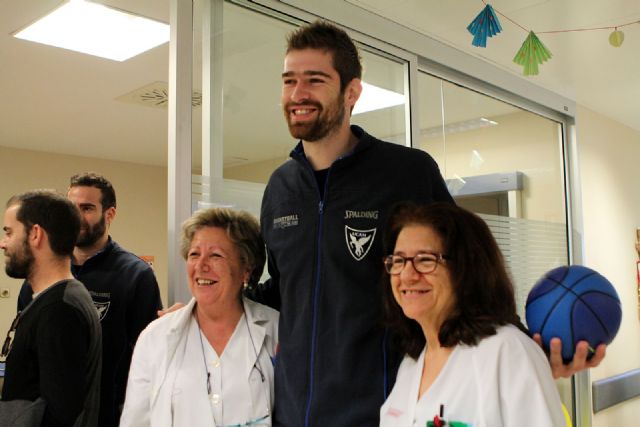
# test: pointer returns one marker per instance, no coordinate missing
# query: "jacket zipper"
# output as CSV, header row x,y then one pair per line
x,y
314,298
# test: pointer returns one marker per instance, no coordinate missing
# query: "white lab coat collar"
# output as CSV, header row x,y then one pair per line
x,y
179,321
256,319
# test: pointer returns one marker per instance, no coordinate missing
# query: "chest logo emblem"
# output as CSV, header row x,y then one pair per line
x,y
359,241
285,221
102,308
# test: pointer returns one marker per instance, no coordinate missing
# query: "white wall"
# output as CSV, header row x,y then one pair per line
x,y
141,191
523,142
608,159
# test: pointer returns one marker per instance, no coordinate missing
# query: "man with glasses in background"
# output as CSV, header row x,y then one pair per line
x,y
53,348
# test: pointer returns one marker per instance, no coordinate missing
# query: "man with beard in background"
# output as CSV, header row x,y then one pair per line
x,y
55,353
123,288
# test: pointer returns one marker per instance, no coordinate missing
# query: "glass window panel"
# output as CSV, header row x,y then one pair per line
x,y
480,144
387,123
506,164
255,139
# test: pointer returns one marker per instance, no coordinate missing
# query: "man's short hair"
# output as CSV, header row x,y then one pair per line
x,y
92,179
54,213
329,38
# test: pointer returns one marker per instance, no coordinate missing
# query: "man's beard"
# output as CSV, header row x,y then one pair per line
x,y
329,120
90,234
20,264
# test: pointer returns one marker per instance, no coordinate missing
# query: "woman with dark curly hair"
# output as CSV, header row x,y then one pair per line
x,y
450,301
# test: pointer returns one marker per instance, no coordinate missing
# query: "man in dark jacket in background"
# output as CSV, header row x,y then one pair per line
x,y
123,288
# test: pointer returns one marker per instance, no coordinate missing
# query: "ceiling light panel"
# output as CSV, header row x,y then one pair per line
x,y
97,30
376,98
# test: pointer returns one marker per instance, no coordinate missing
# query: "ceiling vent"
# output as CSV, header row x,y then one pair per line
x,y
155,95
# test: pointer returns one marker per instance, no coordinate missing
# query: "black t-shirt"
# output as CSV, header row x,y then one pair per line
x,y
125,293
321,178
56,354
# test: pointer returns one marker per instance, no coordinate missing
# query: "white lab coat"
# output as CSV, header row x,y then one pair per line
x,y
503,381
159,355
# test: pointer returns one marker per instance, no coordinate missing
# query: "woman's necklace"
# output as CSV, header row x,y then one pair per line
x,y
204,359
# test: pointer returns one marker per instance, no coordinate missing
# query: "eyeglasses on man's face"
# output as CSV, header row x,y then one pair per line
x,y
6,347
424,263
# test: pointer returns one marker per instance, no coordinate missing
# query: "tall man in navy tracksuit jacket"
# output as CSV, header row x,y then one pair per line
x,y
322,215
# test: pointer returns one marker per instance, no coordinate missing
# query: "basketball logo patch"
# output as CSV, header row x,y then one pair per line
x,y
102,302
359,241
102,308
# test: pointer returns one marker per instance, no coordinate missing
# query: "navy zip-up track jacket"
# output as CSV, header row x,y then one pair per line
x,y
325,261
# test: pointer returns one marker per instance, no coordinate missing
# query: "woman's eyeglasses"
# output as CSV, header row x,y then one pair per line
x,y
6,347
424,263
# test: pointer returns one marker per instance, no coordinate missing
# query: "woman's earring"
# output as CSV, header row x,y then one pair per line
x,y
245,285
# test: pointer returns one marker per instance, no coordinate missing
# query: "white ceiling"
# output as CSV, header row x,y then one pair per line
x,y
584,66
62,101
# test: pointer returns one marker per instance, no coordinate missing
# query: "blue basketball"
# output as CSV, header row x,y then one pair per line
x,y
573,303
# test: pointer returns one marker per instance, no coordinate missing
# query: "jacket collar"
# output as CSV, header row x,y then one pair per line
x,y
178,328
176,333
255,313
106,249
256,319
365,141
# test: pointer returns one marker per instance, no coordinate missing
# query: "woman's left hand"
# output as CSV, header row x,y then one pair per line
x,y
561,370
